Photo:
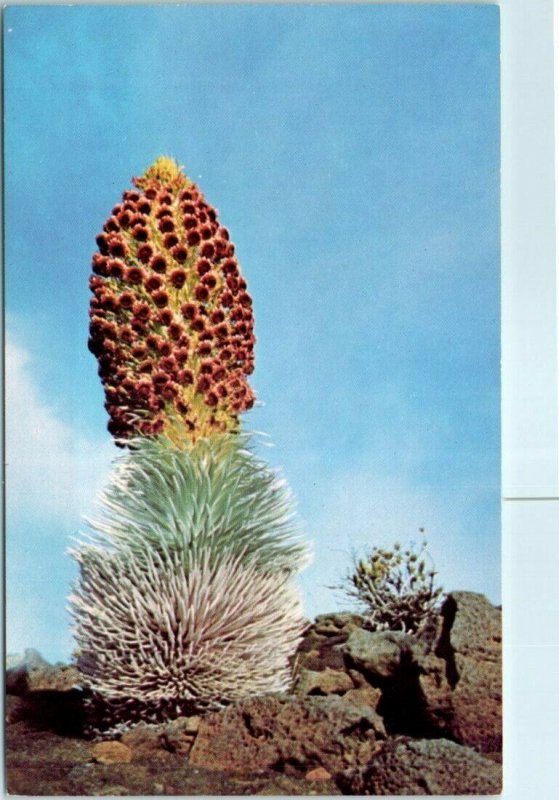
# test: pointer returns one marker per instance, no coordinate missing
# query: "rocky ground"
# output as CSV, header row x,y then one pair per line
x,y
370,713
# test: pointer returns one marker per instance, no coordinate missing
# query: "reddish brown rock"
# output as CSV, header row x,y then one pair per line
x,y
317,775
111,752
462,681
282,733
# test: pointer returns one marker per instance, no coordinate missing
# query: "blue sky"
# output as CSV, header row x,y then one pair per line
x,y
353,152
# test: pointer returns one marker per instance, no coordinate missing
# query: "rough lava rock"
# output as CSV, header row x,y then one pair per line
x,y
423,767
380,654
328,681
462,680
160,741
449,685
47,694
287,734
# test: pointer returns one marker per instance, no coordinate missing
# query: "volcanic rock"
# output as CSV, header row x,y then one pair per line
x,y
423,767
380,654
111,752
462,680
328,681
160,741
287,734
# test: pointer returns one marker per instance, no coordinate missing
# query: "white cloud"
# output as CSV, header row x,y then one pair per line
x,y
52,470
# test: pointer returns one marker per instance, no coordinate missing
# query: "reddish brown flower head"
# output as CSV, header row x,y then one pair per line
x,y
179,253
141,311
126,334
153,283
206,367
139,351
170,391
189,222
203,266
203,384
135,275
170,240
198,324
211,399
168,364
201,293
160,298
186,377
116,268
181,354
158,263
124,219
166,225
217,316
204,349
103,243
165,316
99,264
189,310
207,250
164,348
140,233
144,206
209,280
160,378
144,253
117,247
177,278
175,331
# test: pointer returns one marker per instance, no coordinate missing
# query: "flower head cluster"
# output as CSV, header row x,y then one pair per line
x,y
396,588
171,321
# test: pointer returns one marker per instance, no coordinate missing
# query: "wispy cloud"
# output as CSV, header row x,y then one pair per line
x,y
52,470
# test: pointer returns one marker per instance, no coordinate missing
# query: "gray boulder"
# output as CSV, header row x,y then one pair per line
x,y
380,654
423,767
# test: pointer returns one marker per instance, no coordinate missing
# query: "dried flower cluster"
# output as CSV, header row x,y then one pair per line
x,y
172,642
396,588
171,321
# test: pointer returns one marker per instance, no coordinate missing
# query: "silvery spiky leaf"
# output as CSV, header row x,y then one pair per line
x,y
207,499
157,641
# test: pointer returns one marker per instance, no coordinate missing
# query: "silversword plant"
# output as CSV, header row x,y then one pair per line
x,y
185,599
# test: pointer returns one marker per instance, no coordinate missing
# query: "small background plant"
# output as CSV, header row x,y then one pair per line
x,y
395,588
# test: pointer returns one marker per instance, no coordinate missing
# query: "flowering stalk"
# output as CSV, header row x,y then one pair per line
x,y
171,320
